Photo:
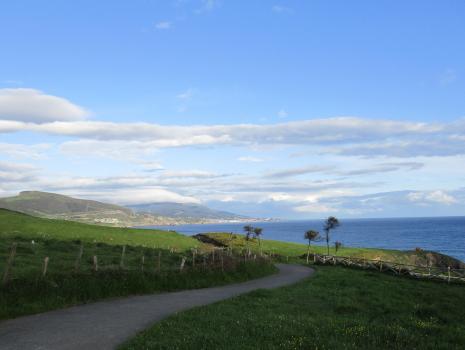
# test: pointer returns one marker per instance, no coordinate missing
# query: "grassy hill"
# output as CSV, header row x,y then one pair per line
x,y
14,224
293,250
56,206
150,263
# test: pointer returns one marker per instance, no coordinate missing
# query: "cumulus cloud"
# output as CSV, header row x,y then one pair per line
x,y
30,105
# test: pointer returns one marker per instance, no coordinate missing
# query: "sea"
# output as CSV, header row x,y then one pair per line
x,y
441,234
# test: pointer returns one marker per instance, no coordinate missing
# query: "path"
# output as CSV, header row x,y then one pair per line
x,y
104,325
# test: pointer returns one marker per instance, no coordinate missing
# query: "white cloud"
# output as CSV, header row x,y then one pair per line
x,y
30,105
298,171
11,172
438,196
250,159
163,25
14,150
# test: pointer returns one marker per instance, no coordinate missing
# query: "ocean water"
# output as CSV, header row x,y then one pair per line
x,y
445,234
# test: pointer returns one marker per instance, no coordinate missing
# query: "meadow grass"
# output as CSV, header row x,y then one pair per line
x,y
13,224
27,291
294,250
338,308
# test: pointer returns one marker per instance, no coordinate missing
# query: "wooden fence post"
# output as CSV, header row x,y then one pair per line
x,y
213,256
193,258
142,263
183,261
159,261
45,267
123,252
9,264
448,274
381,266
77,264
95,263
222,262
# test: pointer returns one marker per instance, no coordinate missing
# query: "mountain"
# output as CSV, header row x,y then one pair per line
x,y
57,206
187,211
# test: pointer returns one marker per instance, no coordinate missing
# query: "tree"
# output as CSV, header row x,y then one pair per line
x,y
257,232
311,235
248,232
337,246
330,224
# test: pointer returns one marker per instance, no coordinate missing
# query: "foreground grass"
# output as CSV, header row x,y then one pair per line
x,y
13,224
336,309
29,296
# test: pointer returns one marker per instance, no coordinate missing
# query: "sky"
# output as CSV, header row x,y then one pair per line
x,y
285,109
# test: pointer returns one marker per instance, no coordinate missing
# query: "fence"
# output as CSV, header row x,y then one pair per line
x,y
24,261
427,272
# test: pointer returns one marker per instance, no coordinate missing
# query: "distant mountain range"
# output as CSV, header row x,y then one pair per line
x,y
57,206
186,211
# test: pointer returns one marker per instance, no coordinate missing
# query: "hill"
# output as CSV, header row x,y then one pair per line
x,y
296,250
57,206
187,211
18,225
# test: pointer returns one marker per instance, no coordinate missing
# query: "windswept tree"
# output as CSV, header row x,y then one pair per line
x,y
337,246
248,229
330,224
311,235
258,232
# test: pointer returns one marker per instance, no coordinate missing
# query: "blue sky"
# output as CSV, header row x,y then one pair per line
x,y
295,109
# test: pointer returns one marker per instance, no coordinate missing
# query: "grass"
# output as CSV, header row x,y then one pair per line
x,y
13,224
293,250
26,296
336,309
28,291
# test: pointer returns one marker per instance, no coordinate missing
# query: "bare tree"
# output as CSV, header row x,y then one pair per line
x,y
337,246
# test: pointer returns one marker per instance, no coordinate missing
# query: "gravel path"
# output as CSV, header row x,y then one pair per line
x,y
105,325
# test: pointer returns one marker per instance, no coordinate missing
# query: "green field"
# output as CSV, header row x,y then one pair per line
x,y
147,265
296,250
338,308
13,224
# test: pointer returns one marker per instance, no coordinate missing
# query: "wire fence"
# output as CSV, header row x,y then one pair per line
x,y
447,273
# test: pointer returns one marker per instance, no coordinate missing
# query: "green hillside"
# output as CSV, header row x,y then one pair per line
x,y
293,250
57,206
14,224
